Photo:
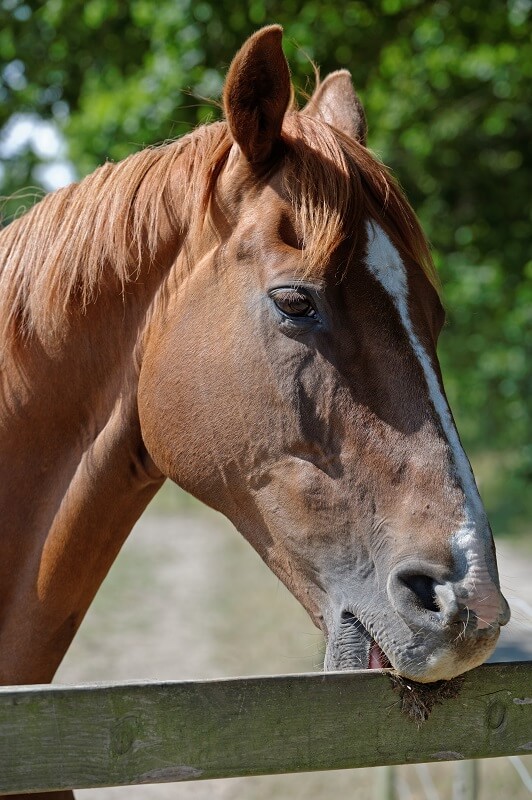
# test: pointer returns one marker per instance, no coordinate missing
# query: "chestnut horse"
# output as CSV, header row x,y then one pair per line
x,y
251,311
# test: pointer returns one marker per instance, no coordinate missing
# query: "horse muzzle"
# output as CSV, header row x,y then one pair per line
x,y
425,626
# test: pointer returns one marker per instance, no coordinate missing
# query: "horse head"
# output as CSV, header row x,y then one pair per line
x,y
290,380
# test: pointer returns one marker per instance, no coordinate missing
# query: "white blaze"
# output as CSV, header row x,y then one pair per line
x,y
386,265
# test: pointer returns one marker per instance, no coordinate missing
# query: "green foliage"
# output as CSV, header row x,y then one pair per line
x,y
445,86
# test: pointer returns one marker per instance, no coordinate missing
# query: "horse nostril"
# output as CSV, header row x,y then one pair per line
x,y
423,595
423,587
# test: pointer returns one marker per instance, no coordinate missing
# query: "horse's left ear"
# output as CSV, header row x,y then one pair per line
x,y
336,102
257,93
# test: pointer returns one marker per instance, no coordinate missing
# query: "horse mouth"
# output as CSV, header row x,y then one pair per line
x,y
355,648
377,657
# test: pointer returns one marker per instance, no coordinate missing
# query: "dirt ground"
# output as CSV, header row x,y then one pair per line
x,y
189,599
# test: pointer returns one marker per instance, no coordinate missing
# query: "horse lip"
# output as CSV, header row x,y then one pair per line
x,y
428,658
506,612
356,648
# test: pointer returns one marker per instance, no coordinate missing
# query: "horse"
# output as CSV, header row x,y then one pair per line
x,y
251,311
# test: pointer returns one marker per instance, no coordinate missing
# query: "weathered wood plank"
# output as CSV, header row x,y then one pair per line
x,y
90,736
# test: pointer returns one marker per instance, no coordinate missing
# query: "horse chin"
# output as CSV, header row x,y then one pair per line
x,y
354,648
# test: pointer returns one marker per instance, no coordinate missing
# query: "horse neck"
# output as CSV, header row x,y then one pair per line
x,y
64,387
74,475
65,378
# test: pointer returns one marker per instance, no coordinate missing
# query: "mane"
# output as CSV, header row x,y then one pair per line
x,y
100,229
106,226
335,183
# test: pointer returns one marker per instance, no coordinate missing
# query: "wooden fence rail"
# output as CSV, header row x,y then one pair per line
x,y
123,734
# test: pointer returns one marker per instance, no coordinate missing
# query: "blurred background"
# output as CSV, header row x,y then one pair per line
x,y
446,87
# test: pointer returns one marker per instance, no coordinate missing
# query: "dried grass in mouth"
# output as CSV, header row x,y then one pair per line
x,y
418,699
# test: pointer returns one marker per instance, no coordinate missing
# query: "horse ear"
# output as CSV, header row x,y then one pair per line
x,y
336,102
257,93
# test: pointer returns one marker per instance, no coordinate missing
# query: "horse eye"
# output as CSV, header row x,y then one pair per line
x,y
293,303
